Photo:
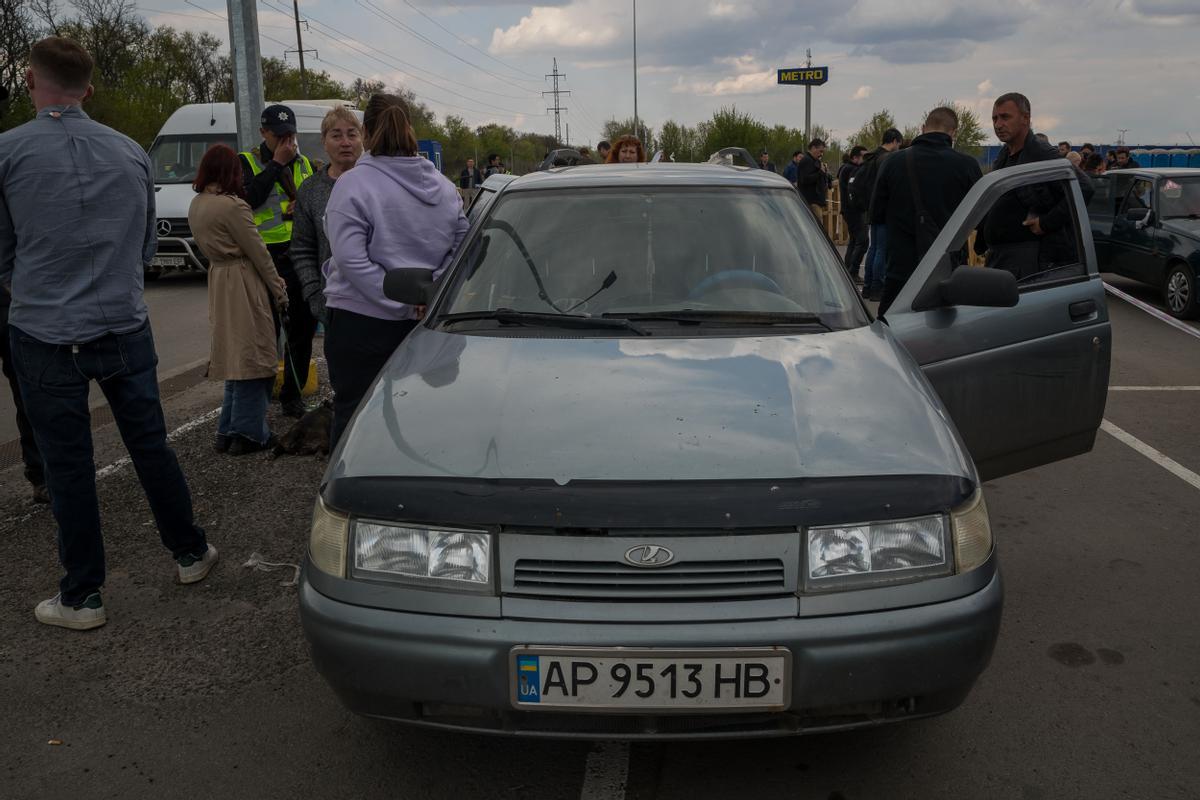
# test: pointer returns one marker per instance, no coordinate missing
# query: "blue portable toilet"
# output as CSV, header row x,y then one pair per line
x,y
1194,159
428,148
1160,158
1179,157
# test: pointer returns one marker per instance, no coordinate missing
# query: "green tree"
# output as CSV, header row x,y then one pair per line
x,y
616,128
678,141
971,135
729,127
870,135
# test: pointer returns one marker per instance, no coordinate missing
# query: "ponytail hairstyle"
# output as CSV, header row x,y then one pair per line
x,y
389,131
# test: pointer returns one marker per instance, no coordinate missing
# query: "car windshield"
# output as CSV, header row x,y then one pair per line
x,y
748,255
1179,198
177,157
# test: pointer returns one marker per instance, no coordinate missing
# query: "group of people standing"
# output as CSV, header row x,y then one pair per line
x,y
290,242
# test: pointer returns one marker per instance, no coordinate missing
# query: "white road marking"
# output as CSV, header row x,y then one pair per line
x,y
1164,461
606,772
1154,388
186,427
1152,311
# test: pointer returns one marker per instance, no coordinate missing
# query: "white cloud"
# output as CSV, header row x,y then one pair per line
x,y
719,10
741,64
547,28
862,93
746,83
985,86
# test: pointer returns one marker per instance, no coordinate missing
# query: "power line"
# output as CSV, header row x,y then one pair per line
x,y
379,12
407,68
483,53
225,19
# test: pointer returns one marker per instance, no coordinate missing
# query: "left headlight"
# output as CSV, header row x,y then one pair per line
x,y
452,558
849,556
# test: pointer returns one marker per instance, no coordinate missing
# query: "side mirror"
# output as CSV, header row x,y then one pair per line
x,y
410,285
1139,215
980,286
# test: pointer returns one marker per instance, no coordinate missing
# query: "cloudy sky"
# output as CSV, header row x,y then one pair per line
x,y
1090,67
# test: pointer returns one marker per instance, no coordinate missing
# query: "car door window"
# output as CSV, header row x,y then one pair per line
x,y
1039,256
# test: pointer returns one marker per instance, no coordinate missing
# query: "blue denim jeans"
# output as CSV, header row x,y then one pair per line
x,y
876,262
54,383
244,409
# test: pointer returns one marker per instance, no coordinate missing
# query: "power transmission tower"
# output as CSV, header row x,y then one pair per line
x,y
246,59
300,50
558,107
1121,136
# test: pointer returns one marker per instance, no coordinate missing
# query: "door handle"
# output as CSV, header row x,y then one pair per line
x,y
1082,310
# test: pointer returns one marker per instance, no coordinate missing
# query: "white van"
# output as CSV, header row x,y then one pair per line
x,y
176,153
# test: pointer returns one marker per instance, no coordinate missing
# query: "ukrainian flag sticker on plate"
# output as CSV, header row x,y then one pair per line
x,y
528,680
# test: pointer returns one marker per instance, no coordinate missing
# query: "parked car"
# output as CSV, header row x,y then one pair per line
x,y
1146,225
649,467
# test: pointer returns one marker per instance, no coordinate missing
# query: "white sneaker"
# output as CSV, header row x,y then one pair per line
x,y
193,570
90,614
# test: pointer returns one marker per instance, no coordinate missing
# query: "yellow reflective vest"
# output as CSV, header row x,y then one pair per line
x,y
274,217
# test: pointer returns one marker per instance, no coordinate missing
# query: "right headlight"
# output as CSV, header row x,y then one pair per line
x,y
897,551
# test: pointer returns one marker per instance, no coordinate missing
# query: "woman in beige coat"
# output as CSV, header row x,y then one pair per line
x,y
242,283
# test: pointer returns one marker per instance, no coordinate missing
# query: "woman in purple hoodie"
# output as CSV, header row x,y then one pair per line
x,y
393,210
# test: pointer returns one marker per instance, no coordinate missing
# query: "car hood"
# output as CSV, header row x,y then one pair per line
x,y
846,403
172,200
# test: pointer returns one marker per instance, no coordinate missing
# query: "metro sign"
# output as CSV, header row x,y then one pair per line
x,y
804,76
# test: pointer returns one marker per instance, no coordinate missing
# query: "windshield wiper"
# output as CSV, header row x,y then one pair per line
x,y
509,316
702,315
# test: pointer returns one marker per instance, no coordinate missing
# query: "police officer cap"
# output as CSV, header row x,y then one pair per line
x,y
279,120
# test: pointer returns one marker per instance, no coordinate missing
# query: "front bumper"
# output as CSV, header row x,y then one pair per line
x,y
849,670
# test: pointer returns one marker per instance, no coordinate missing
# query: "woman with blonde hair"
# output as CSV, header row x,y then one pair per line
x,y
627,150
242,283
393,210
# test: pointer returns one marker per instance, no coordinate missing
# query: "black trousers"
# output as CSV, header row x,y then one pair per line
x,y
356,348
34,470
856,248
301,328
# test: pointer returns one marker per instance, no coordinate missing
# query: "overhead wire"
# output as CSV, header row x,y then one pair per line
x,y
392,63
396,23
483,53
404,67
226,19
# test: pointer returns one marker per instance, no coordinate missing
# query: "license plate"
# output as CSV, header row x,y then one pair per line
x,y
166,261
629,680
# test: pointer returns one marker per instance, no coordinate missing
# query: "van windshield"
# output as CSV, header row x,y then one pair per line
x,y
177,157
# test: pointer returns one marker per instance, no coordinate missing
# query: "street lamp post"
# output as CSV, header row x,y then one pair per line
x,y
637,127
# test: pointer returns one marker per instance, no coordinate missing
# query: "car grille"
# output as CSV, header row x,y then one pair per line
x,y
608,580
179,227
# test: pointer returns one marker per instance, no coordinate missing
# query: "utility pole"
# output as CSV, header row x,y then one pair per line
x,y
808,104
246,59
558,108
568,141
300,50
637,124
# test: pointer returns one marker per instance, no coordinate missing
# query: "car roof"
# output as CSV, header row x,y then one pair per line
x,y
1177,172
608,175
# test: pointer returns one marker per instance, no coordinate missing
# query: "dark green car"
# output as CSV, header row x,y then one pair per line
x,y
1146,226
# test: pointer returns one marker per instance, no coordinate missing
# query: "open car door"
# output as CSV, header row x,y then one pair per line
x,y
1026,384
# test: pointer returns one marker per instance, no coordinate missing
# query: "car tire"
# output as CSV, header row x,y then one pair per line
x,y
1180,292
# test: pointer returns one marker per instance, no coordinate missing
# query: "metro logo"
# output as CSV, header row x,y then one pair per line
x,y
804,76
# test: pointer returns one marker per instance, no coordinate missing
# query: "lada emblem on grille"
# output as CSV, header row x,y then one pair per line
x,y
163,227
649,555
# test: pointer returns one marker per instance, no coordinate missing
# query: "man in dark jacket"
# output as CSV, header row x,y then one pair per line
x,y
272,173
1125,160
1027,230
764,160
471,177
862,188
856,224
812,178
917,192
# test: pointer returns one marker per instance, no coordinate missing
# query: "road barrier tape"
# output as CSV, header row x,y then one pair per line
x,y
1152,311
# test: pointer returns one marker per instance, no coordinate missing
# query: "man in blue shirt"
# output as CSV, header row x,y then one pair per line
x,y
76,229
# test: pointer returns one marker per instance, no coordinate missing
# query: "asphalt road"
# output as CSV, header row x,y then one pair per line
x,y
178,304
207,691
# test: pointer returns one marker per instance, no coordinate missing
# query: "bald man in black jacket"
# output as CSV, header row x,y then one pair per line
x,y
917,191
